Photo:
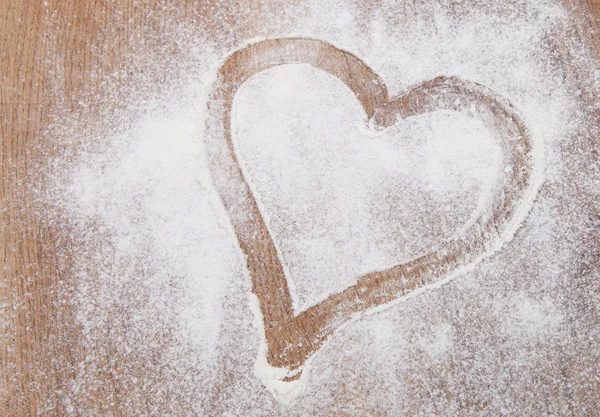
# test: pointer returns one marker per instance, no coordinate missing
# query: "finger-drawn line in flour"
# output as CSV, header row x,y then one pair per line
x,y
292,339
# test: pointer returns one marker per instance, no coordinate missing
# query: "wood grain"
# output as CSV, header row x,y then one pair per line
x,y
58,55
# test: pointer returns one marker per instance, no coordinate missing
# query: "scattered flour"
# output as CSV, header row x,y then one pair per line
x,y
162,286
385,194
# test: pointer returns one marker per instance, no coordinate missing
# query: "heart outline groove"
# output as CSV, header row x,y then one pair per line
x,y
292,339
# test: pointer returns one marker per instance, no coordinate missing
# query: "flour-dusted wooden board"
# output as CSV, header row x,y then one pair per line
x,y
124,290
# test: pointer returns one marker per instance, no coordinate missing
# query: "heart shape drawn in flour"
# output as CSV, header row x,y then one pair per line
x,y
292,339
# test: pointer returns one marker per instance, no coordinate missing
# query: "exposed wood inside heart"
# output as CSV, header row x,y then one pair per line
x,y
292,339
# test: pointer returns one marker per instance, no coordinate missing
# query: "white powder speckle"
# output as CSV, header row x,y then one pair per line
x,y
161,286
384,194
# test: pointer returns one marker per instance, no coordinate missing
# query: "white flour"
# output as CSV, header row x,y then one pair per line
x,y
162,281
342,201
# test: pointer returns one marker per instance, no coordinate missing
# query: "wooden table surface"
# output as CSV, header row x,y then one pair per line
x,y
56,55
